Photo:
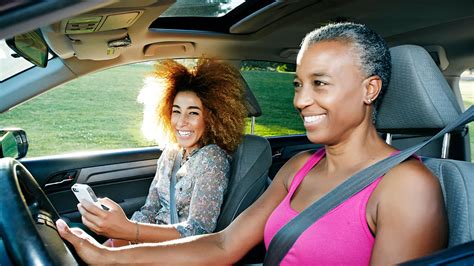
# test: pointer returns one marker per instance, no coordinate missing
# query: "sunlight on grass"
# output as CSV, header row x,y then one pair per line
x,y
272,130
100,111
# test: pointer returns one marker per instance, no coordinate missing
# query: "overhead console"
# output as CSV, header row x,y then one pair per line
x,y
94,36
96,23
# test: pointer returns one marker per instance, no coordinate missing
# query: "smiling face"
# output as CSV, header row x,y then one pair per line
x,y
330,91
187,120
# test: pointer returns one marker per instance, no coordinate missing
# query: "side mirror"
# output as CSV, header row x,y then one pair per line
x,y
30,46
13,143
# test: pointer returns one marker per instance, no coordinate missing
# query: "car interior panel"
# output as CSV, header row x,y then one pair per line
x,y
431,49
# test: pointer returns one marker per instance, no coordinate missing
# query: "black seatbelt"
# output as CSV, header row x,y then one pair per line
x,y
288,234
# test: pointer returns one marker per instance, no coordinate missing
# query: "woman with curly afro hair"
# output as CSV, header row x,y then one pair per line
x,y
201,111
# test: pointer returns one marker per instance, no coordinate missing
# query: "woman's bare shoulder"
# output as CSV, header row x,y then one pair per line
x,y
292,166
411,174
410,215
409,187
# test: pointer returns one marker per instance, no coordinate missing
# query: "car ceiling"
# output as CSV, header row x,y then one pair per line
x,y
273,33
267,34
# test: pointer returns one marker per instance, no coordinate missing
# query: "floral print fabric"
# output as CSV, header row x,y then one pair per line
x,y
201,182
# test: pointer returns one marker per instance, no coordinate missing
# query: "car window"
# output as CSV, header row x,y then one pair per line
x,y
272,84
193,8
466,85
95,112
10,63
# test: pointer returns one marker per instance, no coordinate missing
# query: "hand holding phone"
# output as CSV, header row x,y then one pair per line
x,y
85,193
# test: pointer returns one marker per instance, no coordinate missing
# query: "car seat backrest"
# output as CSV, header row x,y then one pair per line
x,y
250,164
418,100
248,179
457,183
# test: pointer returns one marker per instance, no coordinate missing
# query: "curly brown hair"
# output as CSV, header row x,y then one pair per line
x,y
220,88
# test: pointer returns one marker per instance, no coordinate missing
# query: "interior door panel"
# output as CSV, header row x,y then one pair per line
x,y
123,176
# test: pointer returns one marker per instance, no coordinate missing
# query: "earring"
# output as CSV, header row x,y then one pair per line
x,y
369,101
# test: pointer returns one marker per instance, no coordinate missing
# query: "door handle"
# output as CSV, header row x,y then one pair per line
x,y
59,183
62,179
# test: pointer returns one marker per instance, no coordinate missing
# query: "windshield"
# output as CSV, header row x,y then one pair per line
x,y
201,8
12,64
9,64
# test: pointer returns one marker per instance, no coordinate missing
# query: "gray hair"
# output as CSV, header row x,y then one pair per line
x,y
371,49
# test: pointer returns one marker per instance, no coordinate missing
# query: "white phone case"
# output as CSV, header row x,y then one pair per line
x,y
85,193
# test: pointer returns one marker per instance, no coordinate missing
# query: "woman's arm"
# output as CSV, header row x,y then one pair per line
x,y
410,217
114,223
225,247
210,170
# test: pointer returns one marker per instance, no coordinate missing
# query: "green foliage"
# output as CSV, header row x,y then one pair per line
x,y
266,66
282,68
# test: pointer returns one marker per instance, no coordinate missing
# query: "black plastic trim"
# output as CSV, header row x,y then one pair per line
x,y
42,167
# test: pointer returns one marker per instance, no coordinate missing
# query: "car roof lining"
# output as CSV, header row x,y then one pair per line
x,y
41,13
421,24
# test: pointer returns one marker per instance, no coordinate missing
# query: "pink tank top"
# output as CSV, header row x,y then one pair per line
x,y
341,237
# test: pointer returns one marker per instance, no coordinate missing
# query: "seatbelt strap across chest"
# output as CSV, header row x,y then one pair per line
x,y
284,239
173,211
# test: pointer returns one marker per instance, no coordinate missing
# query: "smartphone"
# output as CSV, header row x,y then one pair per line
x,y
85,193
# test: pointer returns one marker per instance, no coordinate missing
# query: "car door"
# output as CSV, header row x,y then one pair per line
x,y
123,176
90,131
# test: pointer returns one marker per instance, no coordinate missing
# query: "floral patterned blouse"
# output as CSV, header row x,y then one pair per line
x,y
201,182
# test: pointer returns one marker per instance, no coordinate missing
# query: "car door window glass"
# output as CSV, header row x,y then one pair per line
x,y
272,85
466,85
95,112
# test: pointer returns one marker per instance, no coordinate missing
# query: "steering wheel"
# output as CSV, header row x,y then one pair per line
x,y
27,219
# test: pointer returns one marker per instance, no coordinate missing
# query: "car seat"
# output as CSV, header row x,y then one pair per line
x,y
419,98
418,103
250,164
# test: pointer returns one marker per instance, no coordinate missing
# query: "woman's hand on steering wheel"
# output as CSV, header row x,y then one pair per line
x,y
91,251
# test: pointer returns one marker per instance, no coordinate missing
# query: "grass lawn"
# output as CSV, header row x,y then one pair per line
x,y
100,111
274,92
